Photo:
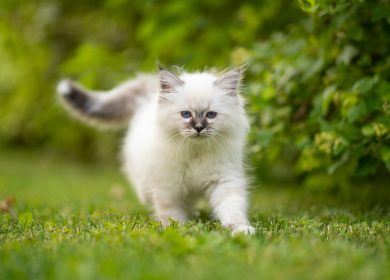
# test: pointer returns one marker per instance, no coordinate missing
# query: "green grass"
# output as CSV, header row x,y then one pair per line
x,y
76,221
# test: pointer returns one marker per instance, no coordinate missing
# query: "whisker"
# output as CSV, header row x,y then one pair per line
x,y
210,149
222,144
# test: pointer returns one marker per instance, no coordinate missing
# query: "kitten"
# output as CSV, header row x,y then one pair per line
x,y
185,140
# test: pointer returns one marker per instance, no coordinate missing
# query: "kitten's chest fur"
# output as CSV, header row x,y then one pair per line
x,y
197,168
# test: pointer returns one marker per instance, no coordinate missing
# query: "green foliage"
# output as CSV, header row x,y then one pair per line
x,y
101,43
77,221
320,93
318,78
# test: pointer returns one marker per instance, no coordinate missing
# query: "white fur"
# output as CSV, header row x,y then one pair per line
x,y
170,168
64,87
168,161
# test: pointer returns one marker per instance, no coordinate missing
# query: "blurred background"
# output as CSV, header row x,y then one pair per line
x,y
317,87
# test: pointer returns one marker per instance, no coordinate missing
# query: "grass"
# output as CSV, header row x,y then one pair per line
x,y
76,221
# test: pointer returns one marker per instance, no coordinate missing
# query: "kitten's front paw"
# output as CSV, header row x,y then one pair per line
x,y
245,229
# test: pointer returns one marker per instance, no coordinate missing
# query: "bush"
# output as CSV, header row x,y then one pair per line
x,y
318,78
319,93
101,43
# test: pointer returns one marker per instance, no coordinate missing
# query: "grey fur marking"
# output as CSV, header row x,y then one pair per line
x,y
168,80
105,109
230,81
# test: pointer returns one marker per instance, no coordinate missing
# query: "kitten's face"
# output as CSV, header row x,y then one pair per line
x,y
198,123
200,105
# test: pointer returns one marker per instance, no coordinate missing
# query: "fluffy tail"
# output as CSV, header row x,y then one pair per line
x,y
106,109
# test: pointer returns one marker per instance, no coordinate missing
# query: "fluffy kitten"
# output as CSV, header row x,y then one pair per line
x,y
185,140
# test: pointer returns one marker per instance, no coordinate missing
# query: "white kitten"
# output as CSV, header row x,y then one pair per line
x,y
185,140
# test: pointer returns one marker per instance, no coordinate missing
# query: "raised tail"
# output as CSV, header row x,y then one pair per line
x,y
109,109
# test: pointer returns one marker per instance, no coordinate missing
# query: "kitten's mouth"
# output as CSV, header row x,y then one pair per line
x,y
199,135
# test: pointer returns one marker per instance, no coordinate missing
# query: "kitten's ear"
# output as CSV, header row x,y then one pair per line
x,y
230,81
168,80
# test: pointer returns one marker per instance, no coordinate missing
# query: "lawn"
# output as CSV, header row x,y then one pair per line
x,y
74,220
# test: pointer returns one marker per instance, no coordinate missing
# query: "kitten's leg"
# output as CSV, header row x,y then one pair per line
x,y
229,202
167,209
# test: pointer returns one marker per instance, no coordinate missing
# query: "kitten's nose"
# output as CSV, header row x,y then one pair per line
x,y
199,128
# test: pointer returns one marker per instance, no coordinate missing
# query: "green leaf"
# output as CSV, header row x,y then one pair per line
x,y
365,85
385,156
368,130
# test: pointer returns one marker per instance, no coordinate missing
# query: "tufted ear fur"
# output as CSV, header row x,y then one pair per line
x,y
168,80
230,81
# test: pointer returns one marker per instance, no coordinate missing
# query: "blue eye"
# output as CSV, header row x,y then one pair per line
x,y
211,114
185,114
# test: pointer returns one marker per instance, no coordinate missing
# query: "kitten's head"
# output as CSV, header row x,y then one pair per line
x,y
203,104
